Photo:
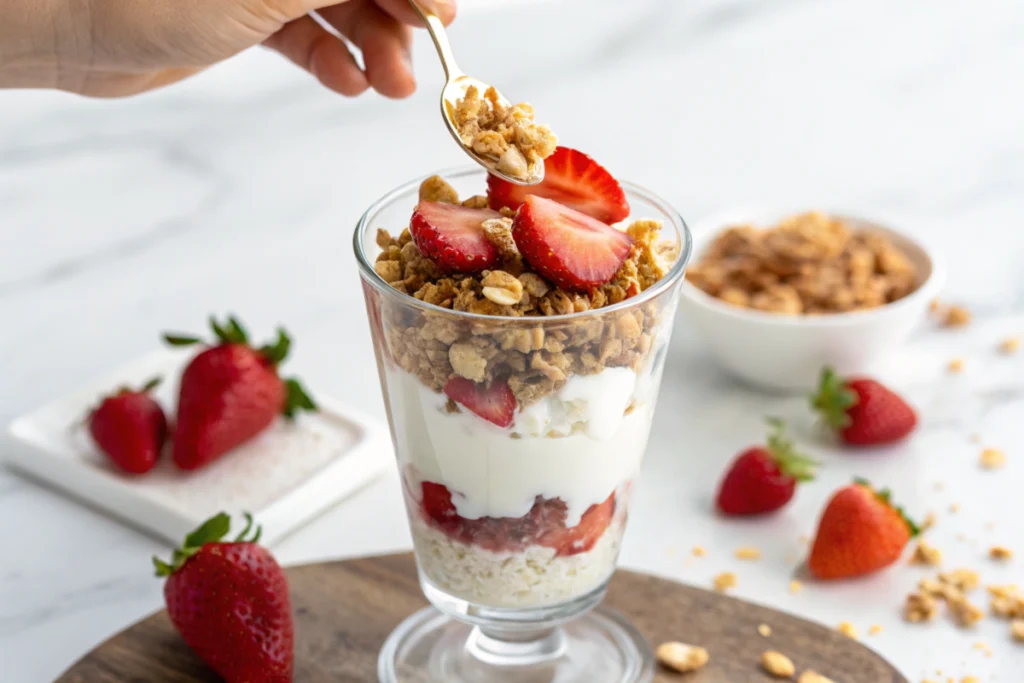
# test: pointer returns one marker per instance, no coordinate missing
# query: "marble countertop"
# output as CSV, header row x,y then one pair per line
x,y
238,191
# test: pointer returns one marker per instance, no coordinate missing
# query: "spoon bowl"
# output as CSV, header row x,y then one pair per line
x,y
455,87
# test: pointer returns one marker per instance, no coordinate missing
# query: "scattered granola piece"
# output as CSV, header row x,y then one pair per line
x,y
956,316
698,551
920,607
954,508
983,647
964,580
748,553
1000,553
928,522
992,459
875,630
848,630
965,613
777,664
1007,602
813,677
926,554
934,305
682,657
765,630
795,586
1010,345
956,365
1017,630
725,581
970,679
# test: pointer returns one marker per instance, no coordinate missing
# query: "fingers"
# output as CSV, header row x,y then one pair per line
x,y
403,11
399,9
384,41
311,47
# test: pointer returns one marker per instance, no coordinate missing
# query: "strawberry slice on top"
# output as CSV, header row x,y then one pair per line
x,y
571,178
452,236
494,402
569,248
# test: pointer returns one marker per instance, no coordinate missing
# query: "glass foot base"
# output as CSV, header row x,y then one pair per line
x,y
600,647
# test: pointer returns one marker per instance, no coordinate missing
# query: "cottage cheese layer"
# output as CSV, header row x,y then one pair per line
x,y
534,577
578,445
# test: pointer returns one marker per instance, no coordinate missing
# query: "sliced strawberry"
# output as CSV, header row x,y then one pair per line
x,y
437,503
570,178
452,236
494,402
583,536
567,247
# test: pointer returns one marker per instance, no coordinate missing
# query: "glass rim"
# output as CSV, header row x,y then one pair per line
x,y
673,275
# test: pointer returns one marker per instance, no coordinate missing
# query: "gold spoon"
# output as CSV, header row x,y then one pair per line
x,y
455,89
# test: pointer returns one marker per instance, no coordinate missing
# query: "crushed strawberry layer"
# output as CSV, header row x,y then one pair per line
x,y
543,525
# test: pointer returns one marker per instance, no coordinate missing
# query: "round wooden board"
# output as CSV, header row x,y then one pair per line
x,y
345,610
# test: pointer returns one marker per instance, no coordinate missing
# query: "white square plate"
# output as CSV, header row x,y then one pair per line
x,y
284,477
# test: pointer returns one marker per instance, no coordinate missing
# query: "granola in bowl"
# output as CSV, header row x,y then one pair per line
x,y
506,134
521,359
807,264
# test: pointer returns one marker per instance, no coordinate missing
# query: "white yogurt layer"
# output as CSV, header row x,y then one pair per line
x,y
492,474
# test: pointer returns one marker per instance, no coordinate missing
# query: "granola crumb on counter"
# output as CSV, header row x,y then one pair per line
x,y
1006,602
777,664
1017,630
875,630
682,657
956,316
748,553
505,134
928,522
925,554
965,613
992,459
813,677
970,679
920,607
765,630
1000,553
809,264
1009,346
795,586
954,508
965,580
848,630
725,581
698,551
956,365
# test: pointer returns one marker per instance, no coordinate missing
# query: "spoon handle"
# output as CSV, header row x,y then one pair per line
x,y
440,36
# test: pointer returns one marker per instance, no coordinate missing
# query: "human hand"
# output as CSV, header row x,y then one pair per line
x,y
116,48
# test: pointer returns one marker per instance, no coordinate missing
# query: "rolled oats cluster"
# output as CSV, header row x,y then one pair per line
x,y
506,134
809,264
535,359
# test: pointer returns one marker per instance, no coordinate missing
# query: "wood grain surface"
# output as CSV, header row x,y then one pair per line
x,y
345,610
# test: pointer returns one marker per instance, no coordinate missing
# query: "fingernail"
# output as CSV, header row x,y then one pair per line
x,y
444,9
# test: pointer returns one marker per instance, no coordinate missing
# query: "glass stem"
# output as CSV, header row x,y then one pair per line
x,y
502,647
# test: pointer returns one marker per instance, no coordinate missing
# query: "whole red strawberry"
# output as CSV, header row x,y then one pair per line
x,y
862,411
130,428
230,393
860,532
229,601
764,478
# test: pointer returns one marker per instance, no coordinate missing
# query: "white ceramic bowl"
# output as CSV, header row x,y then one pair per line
x,y
786,352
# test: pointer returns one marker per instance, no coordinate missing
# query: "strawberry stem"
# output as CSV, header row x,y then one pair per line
x,y
790,461
210,531
279,351
152,384
833,399
885,497
181,340
297,399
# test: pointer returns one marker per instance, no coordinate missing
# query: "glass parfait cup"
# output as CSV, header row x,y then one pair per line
x,y
517,527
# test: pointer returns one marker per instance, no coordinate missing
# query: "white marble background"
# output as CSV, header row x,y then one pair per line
x,y
238,191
